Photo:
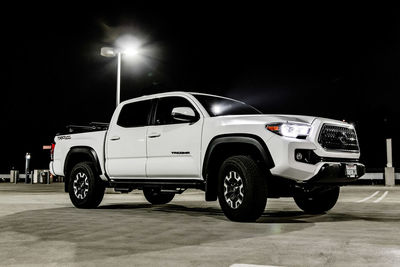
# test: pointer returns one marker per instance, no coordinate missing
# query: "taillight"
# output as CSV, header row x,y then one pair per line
x,y
52,151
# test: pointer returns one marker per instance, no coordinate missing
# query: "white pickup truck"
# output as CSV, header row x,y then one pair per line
x,y
166,143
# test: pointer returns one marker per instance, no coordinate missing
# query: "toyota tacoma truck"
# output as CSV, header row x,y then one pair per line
x,y
166,143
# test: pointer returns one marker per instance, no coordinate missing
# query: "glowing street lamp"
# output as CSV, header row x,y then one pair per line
x,y
128,46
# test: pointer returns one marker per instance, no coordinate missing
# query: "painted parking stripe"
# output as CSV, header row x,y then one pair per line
x,y
368,198
382,197
251,265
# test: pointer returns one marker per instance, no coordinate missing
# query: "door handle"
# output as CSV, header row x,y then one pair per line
x,y
154,135
114,138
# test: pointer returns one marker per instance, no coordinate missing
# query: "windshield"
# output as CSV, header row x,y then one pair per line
x,y
218,106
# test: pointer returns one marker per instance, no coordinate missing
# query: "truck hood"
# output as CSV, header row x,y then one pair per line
x,y
272,118
290,118
305,119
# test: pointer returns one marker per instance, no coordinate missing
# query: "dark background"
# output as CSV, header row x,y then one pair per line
x,y
339,62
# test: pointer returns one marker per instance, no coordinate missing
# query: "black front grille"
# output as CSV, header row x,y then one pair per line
x,y
338,138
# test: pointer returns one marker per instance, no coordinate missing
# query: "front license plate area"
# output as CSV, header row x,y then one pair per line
x,y
351,170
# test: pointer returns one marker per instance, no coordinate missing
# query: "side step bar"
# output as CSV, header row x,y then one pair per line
x,y
172,184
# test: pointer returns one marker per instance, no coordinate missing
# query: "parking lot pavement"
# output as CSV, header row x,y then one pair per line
x,y
39,226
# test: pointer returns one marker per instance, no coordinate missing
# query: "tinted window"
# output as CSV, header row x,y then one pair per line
x,y
218,106
166,105
135,114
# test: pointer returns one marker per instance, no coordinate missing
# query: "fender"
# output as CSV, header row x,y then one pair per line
x,y
87,151
253,140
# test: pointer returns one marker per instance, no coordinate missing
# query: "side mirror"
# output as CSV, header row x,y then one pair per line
x,y
184,114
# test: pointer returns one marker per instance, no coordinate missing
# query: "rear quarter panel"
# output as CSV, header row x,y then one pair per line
x,y
64,143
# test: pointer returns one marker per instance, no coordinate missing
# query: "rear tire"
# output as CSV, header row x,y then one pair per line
x,y
156,197
86,190
242,189
318,202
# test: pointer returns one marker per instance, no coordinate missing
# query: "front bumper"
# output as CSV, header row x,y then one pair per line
x,y
329,164
335,173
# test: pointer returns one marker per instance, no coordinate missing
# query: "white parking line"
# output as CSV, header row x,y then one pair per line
x,y
382,197
251,265
368,198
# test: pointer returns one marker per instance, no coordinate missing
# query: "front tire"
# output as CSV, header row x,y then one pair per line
x,y
156,197
242,189
85,188
318,202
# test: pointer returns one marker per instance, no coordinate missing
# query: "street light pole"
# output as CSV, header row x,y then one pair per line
x,y
27,171
119,79
112,52
129,49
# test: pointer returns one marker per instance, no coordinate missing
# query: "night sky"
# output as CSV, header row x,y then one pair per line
x,y
336,62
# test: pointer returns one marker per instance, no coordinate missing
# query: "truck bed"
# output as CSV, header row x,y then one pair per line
x,y
92,127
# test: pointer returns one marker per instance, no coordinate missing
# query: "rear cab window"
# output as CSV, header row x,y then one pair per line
x,y
135,114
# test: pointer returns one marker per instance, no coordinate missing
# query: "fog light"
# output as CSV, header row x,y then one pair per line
x,y
306,156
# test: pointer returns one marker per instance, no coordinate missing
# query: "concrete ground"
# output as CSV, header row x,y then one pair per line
x,y
39,226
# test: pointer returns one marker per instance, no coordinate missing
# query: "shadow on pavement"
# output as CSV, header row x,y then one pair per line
x,y
216,213
116,230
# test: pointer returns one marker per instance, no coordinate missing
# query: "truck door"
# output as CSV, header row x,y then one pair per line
x,y
126,141
173,146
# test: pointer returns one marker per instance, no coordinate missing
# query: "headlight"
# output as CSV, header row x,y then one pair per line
x,y
294,130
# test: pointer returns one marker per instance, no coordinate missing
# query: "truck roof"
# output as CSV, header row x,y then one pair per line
x,y
173,93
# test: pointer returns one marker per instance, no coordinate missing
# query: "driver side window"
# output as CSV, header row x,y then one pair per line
x,y
166,105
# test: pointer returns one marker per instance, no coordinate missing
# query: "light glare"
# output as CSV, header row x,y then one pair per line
x,y
218,109
131,51
129,45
